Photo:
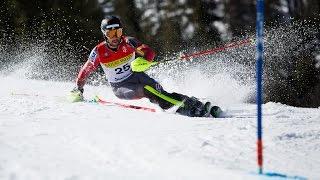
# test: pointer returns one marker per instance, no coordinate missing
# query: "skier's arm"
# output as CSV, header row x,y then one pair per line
x,y
90,66
142,49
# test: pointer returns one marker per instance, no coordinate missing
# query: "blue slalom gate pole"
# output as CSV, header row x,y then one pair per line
x,y
259,71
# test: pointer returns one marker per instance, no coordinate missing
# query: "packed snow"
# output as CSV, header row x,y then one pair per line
x,y
43,136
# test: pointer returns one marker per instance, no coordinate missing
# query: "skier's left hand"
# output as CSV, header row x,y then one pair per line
x,y
76,95
140,64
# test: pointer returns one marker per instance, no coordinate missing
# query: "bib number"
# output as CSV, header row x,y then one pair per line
x,y
122,69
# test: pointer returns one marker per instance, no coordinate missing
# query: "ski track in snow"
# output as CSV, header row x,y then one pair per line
x,y
42,136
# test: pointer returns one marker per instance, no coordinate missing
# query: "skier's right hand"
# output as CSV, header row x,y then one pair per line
x,y
76,95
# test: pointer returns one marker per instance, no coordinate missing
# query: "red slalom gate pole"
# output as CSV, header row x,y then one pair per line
x,y
218,49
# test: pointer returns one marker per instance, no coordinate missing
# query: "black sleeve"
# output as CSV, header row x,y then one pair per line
x,y
133,42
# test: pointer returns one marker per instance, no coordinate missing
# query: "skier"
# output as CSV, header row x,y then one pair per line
x,y
115,55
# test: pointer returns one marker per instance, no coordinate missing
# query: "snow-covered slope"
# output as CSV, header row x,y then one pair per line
x,y
42,136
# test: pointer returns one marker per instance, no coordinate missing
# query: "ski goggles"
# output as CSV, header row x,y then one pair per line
x,y
111,33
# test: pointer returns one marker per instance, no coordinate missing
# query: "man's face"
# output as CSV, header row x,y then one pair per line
x,y
114,36
115,41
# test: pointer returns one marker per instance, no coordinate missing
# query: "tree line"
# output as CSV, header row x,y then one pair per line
x,y
60,29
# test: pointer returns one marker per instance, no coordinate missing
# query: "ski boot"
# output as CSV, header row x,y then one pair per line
x,y
215,111
206,109
192,108
203,110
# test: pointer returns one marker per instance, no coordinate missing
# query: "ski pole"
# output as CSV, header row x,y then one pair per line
x,y
218,49
140,64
